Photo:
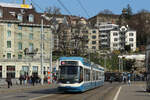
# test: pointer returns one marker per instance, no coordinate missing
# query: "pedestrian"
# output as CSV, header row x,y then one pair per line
x,y
33,79
9,82
129,79
124,78
21,79
111,79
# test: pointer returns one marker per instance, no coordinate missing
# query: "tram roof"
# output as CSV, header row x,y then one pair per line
x,y
71,58
83,60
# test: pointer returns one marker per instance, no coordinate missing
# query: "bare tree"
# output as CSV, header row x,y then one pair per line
x,y
53,10
106,11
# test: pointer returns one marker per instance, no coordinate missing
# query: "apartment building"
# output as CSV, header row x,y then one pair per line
x,y
93,44
121,38
20,41
104,34
112,37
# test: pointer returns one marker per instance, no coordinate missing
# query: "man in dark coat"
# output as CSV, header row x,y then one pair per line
x,y
9,82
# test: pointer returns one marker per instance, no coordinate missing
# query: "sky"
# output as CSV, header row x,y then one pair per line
x,y
92,7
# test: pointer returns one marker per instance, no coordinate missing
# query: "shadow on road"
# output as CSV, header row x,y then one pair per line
x,y
45,91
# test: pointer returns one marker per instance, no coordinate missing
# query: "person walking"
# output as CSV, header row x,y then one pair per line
x,y
21,79
129,79
9,82
33,79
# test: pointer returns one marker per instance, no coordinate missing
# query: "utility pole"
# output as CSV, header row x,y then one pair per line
x,y
42,52
119,64
105,63
51,58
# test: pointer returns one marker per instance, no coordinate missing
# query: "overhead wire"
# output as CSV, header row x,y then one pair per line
x,y
64,7
37,5
83,8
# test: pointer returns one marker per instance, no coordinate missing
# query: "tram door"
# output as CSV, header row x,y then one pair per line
x,y
148,68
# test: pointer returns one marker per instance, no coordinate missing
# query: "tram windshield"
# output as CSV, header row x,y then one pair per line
x,y
69,74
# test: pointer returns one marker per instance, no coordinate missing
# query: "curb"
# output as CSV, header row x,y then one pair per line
x,y
20,89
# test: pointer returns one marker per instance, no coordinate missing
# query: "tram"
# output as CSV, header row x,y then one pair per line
x,y
148,68
77,74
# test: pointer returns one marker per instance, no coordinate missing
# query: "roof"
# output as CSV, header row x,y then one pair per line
x,y
83,60
12,5
139,57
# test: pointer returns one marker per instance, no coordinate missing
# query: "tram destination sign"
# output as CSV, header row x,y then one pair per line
x,y
73,63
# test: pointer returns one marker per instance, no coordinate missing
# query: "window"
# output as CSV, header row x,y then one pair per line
x,y
130,39
8,44
31,28
93,31
115,34
115,45
9,24
8,33
115,39
19,28
25,70
86,37
131,45
11,71
93,42
1,13
93,47
8,55
19,56
86,75
93,37
30,47
131,34
31,18
35,70
19,17
31,36
0,71
19,46
19,36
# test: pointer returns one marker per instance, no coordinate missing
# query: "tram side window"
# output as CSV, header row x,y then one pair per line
x,y
93,75
87,74
148,62
0,71
97,75
81,74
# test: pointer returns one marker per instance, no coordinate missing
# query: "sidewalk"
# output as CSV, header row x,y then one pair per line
x,y
16,88
137,91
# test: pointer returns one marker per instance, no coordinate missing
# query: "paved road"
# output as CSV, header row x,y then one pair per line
x,y
25,92
114,91
50,93
105,92
137,91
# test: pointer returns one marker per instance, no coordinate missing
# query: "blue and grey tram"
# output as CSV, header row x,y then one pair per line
x,y
148,68
77,74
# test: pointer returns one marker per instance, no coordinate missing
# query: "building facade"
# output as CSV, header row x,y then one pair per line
x,y
20,41
123,38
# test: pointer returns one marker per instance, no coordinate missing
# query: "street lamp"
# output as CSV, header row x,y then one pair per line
x,y
53,28
42,76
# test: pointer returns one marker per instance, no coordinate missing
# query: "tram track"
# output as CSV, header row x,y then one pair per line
x,y
99,93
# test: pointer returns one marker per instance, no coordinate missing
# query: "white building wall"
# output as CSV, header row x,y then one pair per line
x,y
114,35
127,40
128,37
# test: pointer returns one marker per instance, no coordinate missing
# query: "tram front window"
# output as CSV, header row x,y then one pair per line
x,y
69,74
